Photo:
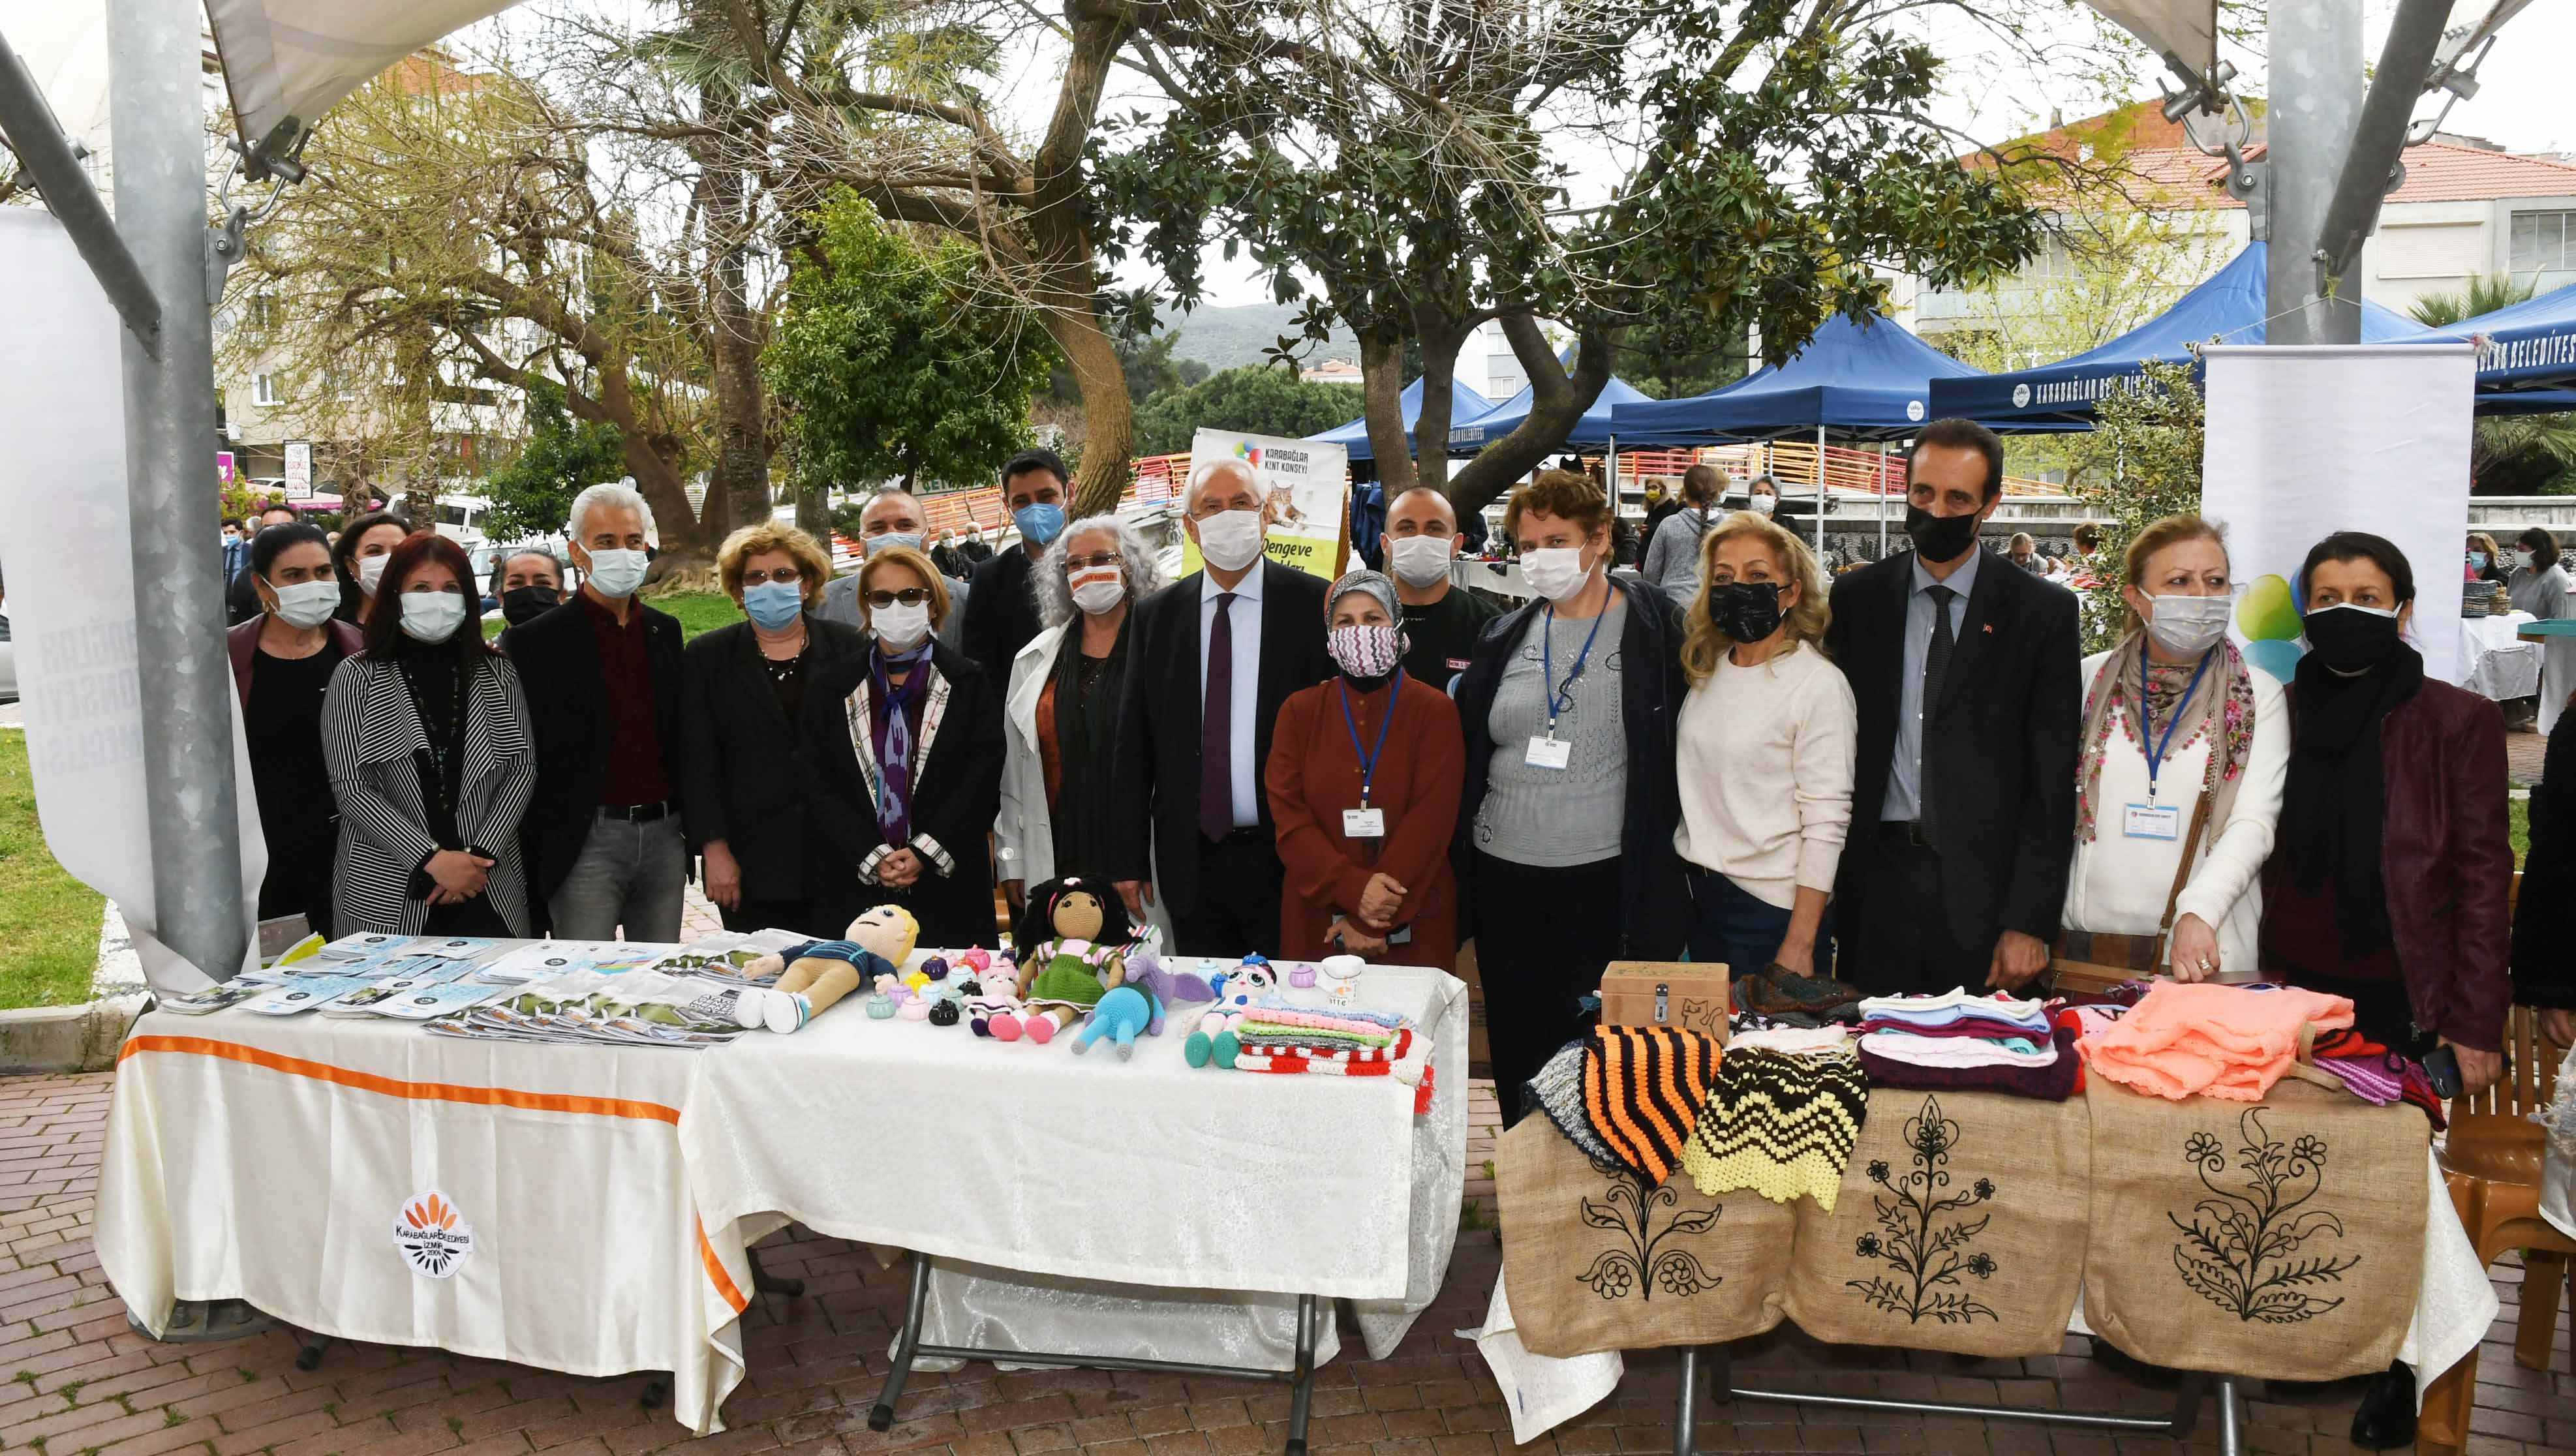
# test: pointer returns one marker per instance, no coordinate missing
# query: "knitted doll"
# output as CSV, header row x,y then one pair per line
x,y
1121,1013
994,1008
1236,991
1071,936
814,976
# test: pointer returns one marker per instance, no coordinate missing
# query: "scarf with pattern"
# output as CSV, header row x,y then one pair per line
x,y
894,733
2223,708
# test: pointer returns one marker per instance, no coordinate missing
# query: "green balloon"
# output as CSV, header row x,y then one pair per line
x,y
2266,614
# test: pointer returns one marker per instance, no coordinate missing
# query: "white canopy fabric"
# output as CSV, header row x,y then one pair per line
x,y
2184,29
293,58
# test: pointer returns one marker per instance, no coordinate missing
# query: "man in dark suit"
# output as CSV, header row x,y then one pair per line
x,y
1002,605
1963,795
604,840
1214,656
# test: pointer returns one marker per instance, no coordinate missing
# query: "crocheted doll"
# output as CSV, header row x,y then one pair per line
x,y
813,977
995,1010
1072,937
1236,991
1121,1013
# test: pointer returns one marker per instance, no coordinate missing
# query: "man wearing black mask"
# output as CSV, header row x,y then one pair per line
x,y
1963,797
528,583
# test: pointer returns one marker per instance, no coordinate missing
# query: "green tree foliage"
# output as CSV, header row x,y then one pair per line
x,y
2508,455
889,368
2154,432
532,495
1256,398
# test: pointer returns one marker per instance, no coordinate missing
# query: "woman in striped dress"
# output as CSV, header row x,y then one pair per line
x,y
426,735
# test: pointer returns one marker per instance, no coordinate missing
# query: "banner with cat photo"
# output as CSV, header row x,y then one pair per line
x,y
1306,494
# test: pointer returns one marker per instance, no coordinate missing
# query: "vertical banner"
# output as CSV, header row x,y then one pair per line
x,y
1307,489
70,558
2306,441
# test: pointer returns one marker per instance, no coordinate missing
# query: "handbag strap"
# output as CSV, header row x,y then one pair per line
x,y
2182,871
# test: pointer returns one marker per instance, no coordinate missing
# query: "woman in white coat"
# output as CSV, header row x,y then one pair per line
x,y
2197,774
1062,709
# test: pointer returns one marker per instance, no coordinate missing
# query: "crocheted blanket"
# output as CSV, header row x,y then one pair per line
x,y
1780,1124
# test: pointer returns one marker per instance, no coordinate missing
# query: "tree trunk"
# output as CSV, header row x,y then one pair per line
x,y
738,478
1557,403
1441,340
1382,406
1069,279
688,541
814,514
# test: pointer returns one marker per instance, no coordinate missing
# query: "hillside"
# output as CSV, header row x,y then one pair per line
x,y
1222,338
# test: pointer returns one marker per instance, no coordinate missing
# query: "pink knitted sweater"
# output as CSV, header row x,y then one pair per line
x,y
2209,1039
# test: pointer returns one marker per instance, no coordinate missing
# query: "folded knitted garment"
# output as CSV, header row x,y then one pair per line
x,y
1795,1040
1256,1028
1959,1051
2378,1080
2210,1039
2055,1081
1974,1027
1407,1062
1557,1091
1779,1123
1287,1010
1955,1005
1643,1088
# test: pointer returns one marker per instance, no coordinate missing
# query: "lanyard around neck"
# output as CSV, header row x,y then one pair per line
x,y
2146,728
1561,698
1368,758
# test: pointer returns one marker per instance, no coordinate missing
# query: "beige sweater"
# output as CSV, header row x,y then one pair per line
x,y
1766,774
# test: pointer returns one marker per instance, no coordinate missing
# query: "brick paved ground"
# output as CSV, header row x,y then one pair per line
x,y
85,1385
2523,753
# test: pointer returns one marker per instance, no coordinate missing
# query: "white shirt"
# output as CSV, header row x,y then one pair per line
x,y
1244,620
1766,774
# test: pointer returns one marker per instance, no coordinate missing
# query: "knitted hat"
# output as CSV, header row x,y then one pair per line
x,y
1643,1088
1780,1124
1361,579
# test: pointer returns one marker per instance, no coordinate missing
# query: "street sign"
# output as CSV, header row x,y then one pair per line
x,y
299,470
224,467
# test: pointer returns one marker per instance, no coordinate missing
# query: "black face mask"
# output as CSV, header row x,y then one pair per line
x,y
1745,611
521,603
2349,640
1940,538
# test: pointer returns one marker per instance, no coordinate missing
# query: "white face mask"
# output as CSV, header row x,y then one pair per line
x,y
371,570
2188,626
308,603
617,573
1231,540
1418,561
2522,558
1764,504
899,627
1098,592
432,616
1555,572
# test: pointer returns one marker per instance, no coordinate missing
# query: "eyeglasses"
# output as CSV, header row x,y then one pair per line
x,y
911,596
784,576
1096,561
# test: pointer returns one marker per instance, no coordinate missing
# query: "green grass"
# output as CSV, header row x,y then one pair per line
x,y
48,920
698,611
2518,825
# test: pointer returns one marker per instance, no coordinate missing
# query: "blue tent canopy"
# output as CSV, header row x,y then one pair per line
x,y
1464,404
2229,308
1858,380
1593,429
2529,345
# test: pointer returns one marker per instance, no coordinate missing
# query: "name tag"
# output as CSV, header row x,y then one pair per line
x,y
1458,664
2150,821
1364,823
1547,752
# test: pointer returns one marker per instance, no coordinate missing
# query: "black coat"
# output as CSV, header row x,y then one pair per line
x,y
2544,916
2000,745
1653,907
1158,721
744,785
1002,612
558,663
956,793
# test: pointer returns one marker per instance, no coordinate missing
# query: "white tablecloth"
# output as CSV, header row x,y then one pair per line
x,y
2492,662
612,1191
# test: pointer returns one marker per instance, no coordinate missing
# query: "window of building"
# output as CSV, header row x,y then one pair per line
x,y
2543,243
263,389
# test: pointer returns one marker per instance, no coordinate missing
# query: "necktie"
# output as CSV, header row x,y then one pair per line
x,y
1216,726
1936,666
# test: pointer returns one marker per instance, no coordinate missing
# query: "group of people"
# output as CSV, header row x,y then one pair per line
x,y
1907,781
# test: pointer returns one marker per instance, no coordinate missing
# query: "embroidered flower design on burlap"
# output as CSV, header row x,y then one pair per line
x,y
2240,1250
1923,1233
1640,1260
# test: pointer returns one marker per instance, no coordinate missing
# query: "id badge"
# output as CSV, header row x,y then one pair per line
x,y
1364,823
1545,752
2152,821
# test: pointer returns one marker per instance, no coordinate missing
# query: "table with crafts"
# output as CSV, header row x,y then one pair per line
x,y
587,1208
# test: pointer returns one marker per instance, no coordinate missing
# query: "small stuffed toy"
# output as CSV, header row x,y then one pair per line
x,y
813,977
1236,991
994,1008
1072,934
1121,1012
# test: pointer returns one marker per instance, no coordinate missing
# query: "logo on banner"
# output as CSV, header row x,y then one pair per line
x,y
434,1238
2021,396
1914,409
1248,452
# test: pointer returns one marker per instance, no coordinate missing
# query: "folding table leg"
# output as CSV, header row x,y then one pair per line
x,y
2231,1436
1686,1410
1301,1395
882,1417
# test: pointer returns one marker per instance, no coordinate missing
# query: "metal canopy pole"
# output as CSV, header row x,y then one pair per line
x,y
156,110
2413,45
1882,500
1820,492
38,140
2316,106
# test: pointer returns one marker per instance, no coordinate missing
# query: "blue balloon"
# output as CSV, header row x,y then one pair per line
x,y
2280,659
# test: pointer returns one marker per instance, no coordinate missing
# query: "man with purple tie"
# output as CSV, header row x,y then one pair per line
x,y
1217,653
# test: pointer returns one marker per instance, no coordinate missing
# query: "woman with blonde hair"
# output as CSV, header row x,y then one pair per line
x,y
742,698
2179,773
1766,735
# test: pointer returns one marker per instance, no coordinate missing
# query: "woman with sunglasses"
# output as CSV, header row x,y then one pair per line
x,y
905,741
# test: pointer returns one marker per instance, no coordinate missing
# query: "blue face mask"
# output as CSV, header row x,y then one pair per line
x,y
2477,561
773,604
1039,524
894,538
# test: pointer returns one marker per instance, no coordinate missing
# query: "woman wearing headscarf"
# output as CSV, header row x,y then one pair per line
x,y
2184,750
426,735
1062,710
905,741
1364,778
